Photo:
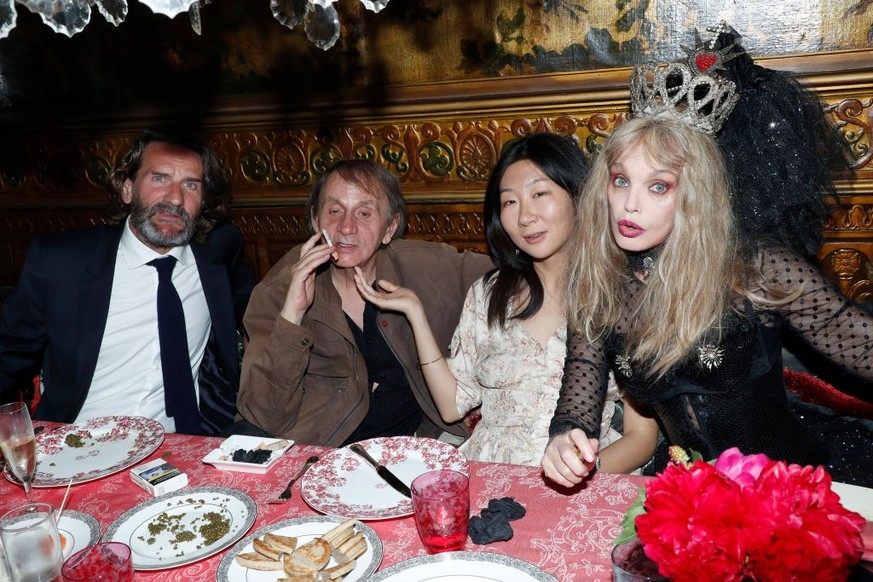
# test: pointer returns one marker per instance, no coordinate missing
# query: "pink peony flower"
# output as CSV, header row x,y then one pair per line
x,y
741,469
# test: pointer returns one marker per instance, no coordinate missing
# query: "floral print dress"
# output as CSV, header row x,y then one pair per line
x,y
515,380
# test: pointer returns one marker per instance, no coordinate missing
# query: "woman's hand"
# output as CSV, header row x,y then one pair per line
x,y
301,290
570,457
389,296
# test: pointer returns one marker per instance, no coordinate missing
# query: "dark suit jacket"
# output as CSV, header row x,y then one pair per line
x,y
55,318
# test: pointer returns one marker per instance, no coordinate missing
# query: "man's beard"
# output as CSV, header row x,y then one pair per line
x,y
140,219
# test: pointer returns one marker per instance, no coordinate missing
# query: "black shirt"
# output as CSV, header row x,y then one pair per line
x,y
393,411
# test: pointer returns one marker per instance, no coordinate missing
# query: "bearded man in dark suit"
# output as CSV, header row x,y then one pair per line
x,y
86,310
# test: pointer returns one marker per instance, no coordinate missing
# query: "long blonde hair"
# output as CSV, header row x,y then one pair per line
x,y
698,267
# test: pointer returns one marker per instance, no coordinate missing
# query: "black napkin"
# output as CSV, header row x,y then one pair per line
x,y
492,523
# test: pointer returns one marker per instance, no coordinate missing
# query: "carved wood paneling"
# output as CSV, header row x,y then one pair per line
x,y
849,265
441,139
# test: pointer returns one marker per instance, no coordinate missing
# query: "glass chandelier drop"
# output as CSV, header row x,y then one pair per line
x,y
319,17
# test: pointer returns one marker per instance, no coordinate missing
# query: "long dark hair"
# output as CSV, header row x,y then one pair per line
x,y
216,190
563,162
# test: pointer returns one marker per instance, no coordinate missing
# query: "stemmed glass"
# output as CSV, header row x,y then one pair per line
x,y
17,443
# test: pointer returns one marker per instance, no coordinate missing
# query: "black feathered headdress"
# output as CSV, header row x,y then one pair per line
x,y
781,152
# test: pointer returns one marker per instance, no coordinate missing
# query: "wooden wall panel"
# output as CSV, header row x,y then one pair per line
x,y
441,139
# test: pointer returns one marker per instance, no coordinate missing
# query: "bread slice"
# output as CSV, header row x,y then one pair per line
x,y
352,547
340,570
265,549
275,446
340,533
308,559
284,544
315,552
298,568
257,561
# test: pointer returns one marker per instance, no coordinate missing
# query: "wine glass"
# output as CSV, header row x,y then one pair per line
x,y
17,443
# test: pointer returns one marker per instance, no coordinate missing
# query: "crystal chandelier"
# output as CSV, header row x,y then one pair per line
x,y
319,17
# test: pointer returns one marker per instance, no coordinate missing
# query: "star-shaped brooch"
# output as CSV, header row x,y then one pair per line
x,y
624,365
710,356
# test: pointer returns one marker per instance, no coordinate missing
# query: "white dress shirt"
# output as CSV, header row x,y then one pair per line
x,y
128,378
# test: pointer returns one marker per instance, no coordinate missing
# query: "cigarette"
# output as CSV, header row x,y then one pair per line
x,y
334,255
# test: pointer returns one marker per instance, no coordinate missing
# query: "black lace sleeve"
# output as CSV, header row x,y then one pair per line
x,y
832,324
583,390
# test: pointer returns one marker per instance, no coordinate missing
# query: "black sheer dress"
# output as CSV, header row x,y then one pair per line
x,y
729,391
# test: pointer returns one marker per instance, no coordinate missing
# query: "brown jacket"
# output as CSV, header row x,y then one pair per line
x,y
308,382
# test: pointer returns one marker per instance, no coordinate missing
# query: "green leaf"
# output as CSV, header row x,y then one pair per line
x,y
628,524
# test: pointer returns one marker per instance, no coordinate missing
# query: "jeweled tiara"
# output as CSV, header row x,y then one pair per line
x,y
690,90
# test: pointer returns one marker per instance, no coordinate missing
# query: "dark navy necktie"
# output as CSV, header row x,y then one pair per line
x,y
179,395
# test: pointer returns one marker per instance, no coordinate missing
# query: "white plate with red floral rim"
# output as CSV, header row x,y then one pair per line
x,y
92,449
343,484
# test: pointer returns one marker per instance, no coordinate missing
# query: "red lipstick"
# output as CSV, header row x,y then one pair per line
x,y
630,229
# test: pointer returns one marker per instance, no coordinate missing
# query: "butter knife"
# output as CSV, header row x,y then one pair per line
x,y
382,470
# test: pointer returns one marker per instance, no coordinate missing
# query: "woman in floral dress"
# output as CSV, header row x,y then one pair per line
x,y
507,354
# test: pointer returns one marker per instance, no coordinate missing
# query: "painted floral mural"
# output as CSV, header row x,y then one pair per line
x,y
243,50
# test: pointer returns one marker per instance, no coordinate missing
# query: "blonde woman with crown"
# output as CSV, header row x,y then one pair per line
x,y
683,295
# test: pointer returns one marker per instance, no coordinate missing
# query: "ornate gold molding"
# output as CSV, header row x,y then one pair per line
x,y
441,139
852,217
851,268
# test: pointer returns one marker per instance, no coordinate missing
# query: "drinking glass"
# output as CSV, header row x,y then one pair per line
x,y
631,564
441,502
30,539
18,444
103,562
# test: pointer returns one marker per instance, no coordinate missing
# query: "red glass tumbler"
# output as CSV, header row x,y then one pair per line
x,y
103,562
441,502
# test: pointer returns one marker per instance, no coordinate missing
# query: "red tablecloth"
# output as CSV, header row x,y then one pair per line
x,y
569,536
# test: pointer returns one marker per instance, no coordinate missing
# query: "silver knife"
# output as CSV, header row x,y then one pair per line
x,y
382,470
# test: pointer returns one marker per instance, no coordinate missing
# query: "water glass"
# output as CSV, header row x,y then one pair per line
x,y
103,562
631,564
441,502
17,443
4,569
30,539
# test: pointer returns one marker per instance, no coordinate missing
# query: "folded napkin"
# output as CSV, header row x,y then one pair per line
x,y
492,523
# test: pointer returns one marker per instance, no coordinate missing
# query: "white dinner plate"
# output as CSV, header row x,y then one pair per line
x,y
92,449
855,498
304,529
78,530
344,485
168,531
222,457
463,567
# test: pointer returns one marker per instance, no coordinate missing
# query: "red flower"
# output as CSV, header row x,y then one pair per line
x,y
692,524
748,518
801,528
